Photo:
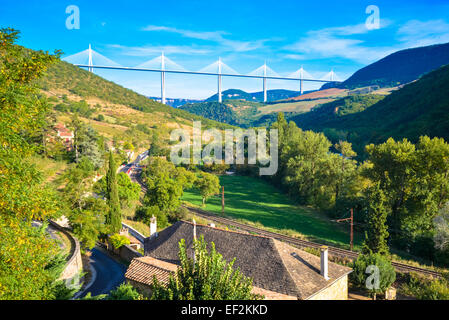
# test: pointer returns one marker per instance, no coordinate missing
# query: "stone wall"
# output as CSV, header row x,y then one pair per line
x,y
336,291
127,253
74,263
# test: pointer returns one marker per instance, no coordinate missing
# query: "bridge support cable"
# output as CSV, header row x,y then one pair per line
x,y
91,60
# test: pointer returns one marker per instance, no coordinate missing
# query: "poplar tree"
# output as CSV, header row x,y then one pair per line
x,y
114,217
377,230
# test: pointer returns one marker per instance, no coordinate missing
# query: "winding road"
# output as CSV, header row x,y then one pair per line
x,y
107,274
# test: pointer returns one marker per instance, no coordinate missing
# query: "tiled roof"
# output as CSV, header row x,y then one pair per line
x,y
273,265
143,269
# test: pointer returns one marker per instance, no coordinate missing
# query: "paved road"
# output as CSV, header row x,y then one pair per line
x,y
109,273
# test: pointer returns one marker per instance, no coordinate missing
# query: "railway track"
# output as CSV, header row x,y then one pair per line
x,y
333,251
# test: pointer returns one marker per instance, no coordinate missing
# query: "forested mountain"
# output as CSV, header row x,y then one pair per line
x,y
419,108
272,95
328,112
398,68
211,110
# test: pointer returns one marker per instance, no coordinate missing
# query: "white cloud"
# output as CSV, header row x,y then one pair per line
x,y
151,50
214,36
327,43
417,33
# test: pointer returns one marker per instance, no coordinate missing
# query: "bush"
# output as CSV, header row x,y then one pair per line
x,y
145,213
125,292
360,274
424,289
118,240
178,214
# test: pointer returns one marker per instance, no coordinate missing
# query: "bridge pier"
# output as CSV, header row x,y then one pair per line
x,y
163,79
90,69
163,100
300,87
265,90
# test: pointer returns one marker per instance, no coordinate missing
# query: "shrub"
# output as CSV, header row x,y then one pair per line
x,y
178,214
425,289
361,272
145,213
125,292
118,240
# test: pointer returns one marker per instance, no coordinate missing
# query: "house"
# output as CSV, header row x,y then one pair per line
x,y
133,242
279,271
65,135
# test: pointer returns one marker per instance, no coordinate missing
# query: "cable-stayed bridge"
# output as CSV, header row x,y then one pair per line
x,y
91,60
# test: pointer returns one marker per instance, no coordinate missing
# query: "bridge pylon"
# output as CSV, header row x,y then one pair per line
x,y
265,82
220,97
163,100
90,63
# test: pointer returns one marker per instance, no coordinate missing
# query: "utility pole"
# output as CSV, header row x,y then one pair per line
x,y
351,219
222,201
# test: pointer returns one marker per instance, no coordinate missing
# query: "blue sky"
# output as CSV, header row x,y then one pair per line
x,y
320,35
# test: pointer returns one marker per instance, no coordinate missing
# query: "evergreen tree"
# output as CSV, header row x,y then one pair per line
x,y
114,217
377,230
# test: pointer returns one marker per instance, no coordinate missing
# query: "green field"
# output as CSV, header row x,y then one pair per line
x,y
256,201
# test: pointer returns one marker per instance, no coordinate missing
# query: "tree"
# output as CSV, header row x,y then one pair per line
x,y
377,229
88,223
118,240
378,268
128,191
114,217
146,212
26,253
441,222
208,277
208,184
89,147
77,180
165,184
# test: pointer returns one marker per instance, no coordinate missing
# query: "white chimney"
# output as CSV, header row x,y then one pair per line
x,y
153,227
324,262
194,229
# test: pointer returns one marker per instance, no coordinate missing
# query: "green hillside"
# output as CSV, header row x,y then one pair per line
x,y
272,95
235,112
63,76
320,115
419,108
400,67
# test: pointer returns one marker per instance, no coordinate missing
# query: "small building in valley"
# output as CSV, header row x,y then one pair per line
x,y
279,271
